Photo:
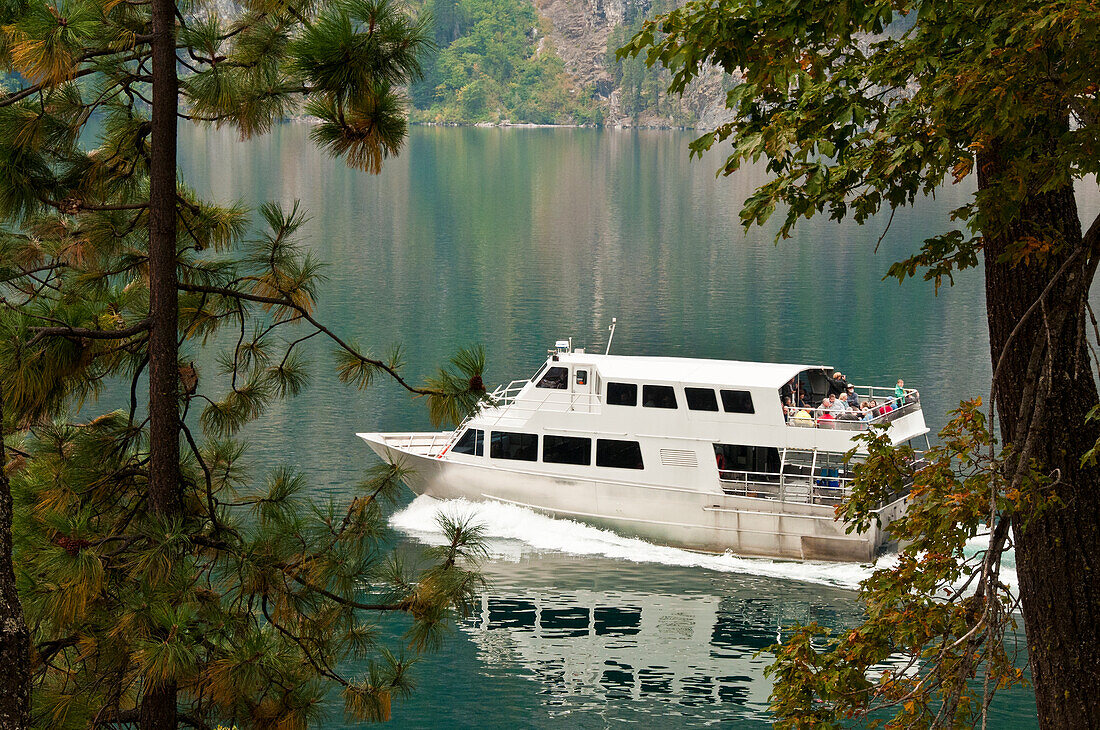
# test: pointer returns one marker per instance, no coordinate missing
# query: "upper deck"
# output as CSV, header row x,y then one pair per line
x,y
692,399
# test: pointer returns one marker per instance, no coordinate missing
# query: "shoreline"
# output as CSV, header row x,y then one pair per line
x,y
531,125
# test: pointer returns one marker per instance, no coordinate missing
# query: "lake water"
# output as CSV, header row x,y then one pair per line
x,y
516,238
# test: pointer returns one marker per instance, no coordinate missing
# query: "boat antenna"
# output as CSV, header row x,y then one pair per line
x,y
611,336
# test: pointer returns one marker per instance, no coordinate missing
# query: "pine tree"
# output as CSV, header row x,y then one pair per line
x,y
163,581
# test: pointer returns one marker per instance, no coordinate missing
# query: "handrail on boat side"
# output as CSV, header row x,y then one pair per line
x,y
822,485
503,401
853,420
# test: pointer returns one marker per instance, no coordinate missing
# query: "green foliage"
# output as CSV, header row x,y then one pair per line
x,y
252,615
459,392
492,66
642,86
252,598
859,108
867,105
936,620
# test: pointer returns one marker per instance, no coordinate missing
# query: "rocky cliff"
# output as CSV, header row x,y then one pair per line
x,y
552,62
586,33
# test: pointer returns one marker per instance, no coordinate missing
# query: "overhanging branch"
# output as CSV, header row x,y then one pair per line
x,y
87,334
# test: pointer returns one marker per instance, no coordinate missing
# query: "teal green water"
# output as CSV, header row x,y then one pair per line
x,y
516,238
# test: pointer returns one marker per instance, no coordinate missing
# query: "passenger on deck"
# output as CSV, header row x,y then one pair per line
x,y
837,384
788,408
903,395
789,389
836,405
824,411
802,418
853,398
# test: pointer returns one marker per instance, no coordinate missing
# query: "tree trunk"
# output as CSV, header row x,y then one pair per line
x,y
15,639
1044,390
158,703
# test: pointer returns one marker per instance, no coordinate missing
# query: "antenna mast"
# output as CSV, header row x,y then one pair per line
x,y
611,336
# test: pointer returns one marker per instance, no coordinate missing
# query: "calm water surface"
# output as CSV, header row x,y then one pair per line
x,y
516,238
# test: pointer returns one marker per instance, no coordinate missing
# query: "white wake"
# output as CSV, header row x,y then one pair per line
x,y
516,531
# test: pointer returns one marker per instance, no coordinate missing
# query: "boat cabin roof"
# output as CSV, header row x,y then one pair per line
x,y
690,369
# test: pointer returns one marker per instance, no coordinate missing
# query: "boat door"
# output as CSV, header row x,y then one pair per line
x,y
582,399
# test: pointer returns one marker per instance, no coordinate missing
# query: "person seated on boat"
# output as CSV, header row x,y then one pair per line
x,y
848,412
853,398
825,411
802,417
836,405
788,408
837,384
801,396
868,409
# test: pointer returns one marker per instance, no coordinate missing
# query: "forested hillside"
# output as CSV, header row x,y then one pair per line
x,y
549,62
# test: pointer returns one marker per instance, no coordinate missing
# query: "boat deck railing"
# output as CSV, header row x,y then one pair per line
x,y
503,403
505,399
424,444
827,485
888,408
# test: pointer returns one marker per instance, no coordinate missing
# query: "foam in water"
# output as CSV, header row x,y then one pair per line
x,y
514,531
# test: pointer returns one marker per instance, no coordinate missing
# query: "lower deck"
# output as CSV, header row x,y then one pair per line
x,y
792,517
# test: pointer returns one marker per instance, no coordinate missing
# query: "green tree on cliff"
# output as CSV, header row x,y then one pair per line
x,y
162,581
863,106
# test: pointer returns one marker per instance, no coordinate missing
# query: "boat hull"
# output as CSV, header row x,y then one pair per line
x,y
692,519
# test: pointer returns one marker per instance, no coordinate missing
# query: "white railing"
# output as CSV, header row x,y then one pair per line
x,y
428,444
887,408
503,403
828,485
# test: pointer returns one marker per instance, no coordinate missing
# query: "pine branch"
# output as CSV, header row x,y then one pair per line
x,y
87,334
290,304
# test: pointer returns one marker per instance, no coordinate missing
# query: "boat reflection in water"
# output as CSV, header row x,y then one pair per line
x,y
630,649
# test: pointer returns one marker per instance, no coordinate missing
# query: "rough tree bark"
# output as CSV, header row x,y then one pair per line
x,y
15,640
158,703
1044,390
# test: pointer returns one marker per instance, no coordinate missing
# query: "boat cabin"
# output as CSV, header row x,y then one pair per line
x,y
697,423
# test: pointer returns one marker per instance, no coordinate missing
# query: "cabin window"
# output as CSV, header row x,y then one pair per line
x,y
658,396
472,442
567,450
701,399
737,401
536,376
619,454
582,377
556,378
752,459
622,394
514,446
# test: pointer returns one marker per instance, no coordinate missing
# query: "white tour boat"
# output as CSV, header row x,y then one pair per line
x,y
688,452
